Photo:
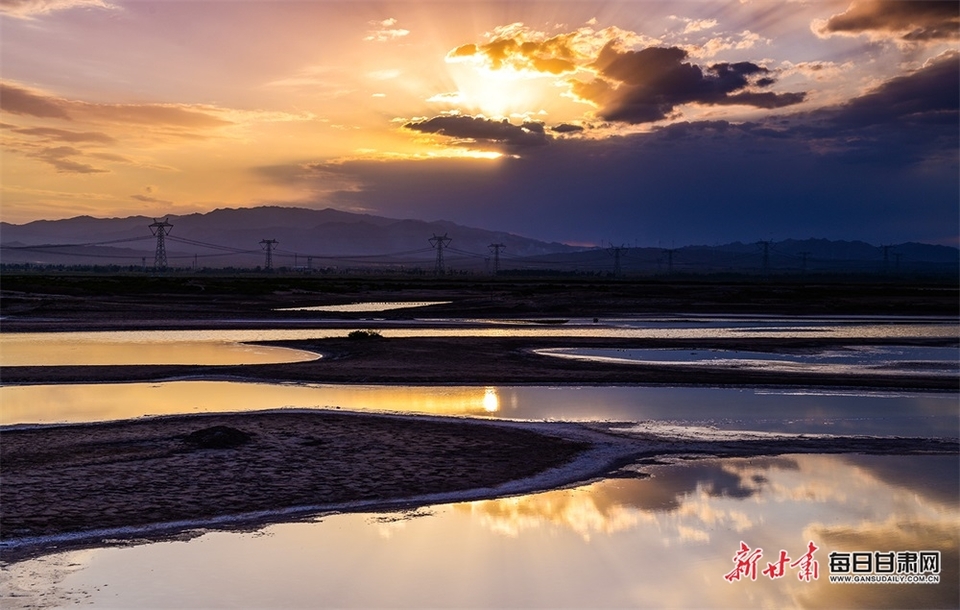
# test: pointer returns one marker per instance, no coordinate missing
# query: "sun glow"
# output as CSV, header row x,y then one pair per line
x,y
491,401
496,94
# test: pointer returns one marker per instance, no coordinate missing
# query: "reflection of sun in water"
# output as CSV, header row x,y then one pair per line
x,y
491,402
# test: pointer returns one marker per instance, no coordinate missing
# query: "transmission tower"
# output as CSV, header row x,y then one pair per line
x,y
495,248
886,259
617,251
268,244
803,256
670,252
161,230
439,242
766,254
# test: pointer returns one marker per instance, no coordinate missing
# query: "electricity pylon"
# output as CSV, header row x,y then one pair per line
x,y
766,255
670,252
268,244
161,229
495,248
616,251
439,242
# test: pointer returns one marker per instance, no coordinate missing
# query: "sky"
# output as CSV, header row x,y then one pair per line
x,y
642,122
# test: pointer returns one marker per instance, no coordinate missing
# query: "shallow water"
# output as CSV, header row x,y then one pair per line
x,y
150,347
897,359
795,411
664,541
366,306
137,348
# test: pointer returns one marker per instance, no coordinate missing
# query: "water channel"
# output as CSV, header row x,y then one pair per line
x,y
663,540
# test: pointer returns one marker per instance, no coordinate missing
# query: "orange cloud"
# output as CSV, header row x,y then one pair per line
x,y
22,101
907,21
27,9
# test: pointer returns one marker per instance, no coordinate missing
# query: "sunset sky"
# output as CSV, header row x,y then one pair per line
x,y
639,122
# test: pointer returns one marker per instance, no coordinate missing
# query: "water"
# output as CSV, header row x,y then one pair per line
x,y
144,348
151,347
664,541
366,307
794,411
899,359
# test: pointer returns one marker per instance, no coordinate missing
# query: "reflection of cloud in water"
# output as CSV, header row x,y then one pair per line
x,y
620,504
893,534
38,584
686,501
586,511
940,481
663,541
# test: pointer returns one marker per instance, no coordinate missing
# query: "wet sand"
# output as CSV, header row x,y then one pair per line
x,y
76,478
123,479
153,478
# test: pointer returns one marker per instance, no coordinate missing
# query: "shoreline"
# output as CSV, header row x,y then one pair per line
x,y
299,463
130,481
133,481
498,361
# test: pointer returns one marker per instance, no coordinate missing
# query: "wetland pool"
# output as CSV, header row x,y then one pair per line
x,y
665,541
664,538
231,346
769,410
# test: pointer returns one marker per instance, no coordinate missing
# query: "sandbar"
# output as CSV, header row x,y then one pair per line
x,y
152,478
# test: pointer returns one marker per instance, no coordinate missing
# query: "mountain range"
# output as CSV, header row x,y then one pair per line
x,y
333,239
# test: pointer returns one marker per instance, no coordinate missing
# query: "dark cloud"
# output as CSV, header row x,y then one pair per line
x,y
567,128
647,85
689,183
929,95
882,167
148,199
915,20
17,100
153,114
907,120
65,135
60,158
481,130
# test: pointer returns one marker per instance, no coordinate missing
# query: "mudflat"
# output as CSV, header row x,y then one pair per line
x,y
59,479
185,469
490,361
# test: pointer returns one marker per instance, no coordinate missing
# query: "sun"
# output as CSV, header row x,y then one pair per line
x,y
504,93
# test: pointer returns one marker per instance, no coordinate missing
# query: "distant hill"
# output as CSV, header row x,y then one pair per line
x,y
231,238
333,239
788,256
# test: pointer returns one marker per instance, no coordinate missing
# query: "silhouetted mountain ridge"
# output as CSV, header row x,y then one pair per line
x,y
231,237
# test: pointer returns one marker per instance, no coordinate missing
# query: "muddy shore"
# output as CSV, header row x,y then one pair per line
x,y
189,468
481,360
67,486
65,302
92,477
